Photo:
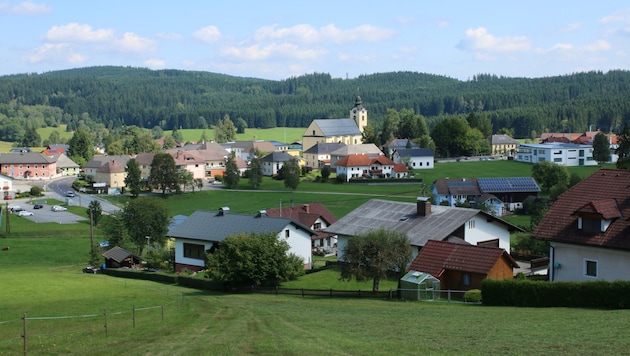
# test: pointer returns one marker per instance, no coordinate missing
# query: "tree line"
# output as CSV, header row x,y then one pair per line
x,y
113,97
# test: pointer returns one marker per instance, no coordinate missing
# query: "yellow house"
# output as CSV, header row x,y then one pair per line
x,y
347,131
113,173
503,145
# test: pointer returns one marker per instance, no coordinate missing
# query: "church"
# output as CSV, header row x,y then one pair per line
x,y
347,131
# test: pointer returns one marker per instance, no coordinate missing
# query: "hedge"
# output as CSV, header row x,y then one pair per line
x,y
526,293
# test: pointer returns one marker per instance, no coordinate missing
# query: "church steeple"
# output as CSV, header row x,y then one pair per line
x,y
358,113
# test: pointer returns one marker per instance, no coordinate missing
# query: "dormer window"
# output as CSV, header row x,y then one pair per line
x,y
596,216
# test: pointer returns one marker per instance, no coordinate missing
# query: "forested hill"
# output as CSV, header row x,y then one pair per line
x,y
117,96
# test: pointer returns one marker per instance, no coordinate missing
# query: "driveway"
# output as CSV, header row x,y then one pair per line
x,y
45,214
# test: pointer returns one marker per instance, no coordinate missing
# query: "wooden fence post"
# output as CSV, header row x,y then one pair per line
x,y
105,315
134,316
24,336
162,312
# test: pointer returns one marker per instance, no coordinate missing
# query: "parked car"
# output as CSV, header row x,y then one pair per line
x,y
17,210
25,213
58,208
8,197
91,269
38,206
70,194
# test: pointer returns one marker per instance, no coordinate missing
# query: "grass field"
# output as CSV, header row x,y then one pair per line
x,y
280,134
42,279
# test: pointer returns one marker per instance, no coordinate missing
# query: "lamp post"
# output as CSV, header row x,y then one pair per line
x,y
148,242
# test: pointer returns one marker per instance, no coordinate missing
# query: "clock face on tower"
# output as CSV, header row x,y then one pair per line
x,y
354,111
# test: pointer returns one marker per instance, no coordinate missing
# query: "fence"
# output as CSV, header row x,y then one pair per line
x,y
38,328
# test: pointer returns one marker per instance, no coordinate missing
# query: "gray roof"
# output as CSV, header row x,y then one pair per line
x,y
415,152
64,161
502,140
440,224
25,157
277,157
212,226
364,148
337,127
325,147
117,254
99,160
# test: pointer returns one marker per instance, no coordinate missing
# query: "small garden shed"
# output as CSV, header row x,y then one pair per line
x,y
419,286
119,257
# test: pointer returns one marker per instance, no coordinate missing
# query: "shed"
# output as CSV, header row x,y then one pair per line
x,y
419,286
117,257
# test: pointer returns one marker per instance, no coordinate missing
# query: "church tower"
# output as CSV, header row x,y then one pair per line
x,y
359,114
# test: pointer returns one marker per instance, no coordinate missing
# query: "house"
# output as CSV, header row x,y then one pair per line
x,y
55,149
93,165
214,156
203,231
6,183
397,144
66,166
318,156
400,171
273,162
28,165
587,229
562,137
415,158
242,149
503,145
118,257
112,174
368,149
315,216
348,131
564,154
422,222
192,161
357,166
461,266
502,194
144,160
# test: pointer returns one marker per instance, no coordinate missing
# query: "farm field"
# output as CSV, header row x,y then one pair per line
x,y
198,322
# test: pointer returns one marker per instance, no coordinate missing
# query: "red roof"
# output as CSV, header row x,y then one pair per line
x,y
604,195
436,257
361,160
399,167
306,214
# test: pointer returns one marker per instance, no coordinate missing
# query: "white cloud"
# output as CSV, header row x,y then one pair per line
x,y
55,52
208,34
169,36
74,32
25,8
572,27
363,33
258,52
130,42
330,33
620,16
478,39
155,63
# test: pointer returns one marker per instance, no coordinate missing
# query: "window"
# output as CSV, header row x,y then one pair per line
x,y
317,225
471,224
590,268
194,251
287,233
466,279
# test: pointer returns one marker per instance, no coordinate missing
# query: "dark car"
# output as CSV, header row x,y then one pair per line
x,y
38,206
92,270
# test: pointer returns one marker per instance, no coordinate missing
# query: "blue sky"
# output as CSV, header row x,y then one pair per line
x,y
279,39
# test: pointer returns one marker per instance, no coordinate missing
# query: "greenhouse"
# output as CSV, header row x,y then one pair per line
x,y
419,286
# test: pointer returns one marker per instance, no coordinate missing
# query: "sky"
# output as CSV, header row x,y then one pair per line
x,y
281,39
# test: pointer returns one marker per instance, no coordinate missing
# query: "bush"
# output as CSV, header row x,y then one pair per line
x,y
341,178
36,191
472,296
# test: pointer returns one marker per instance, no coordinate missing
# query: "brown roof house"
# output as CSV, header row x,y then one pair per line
x,y
315,216
461,266
588,229
117,257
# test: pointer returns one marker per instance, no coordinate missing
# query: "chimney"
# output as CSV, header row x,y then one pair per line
x,y
423,206
307,208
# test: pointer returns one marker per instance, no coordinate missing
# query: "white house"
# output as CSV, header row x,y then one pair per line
x,y
415,158
203,231
365,166
273,162
564,154
422,222
587,229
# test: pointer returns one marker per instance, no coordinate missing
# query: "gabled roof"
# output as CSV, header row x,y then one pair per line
x,y
360,160
117,254
325,148
605,195
112,166
307,214
183,157
403,217
415,152
436,257
364,148
400,143
337,127
401,168
277,157
25,157
99,160
144,158
478,186
502,140
64,162
457,186
246,146
215,227
206,146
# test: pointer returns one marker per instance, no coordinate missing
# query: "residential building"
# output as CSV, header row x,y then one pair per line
x,y
66,166
315,216
192,161
503,145
28,165
243,149
319,155
461,266
273,162
397,144
587,229
365,167
6,183
368,149
348,131
422,222
564,154
203,231
92,166
415,158
112,173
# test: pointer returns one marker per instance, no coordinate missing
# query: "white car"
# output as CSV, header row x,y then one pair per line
x,y
25,213
58,208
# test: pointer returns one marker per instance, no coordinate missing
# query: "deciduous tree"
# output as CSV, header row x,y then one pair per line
x,y
164,174
232,174
254,259
601,148
146,220
548,174
255,169
81,145
291,172
374,254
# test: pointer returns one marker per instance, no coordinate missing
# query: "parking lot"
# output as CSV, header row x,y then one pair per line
x,y
45,214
